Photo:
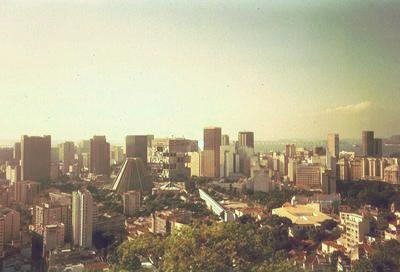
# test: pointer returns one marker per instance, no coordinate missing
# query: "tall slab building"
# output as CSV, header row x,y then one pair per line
x,y
35,157
211,153
246,138
368,144
333,144
82,218
137,146
99,156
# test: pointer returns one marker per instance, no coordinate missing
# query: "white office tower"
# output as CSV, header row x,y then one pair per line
x,y
82,218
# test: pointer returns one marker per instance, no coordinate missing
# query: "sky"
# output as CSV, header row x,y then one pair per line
x,y
283,69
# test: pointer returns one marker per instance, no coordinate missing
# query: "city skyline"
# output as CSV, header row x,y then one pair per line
x,y
283,69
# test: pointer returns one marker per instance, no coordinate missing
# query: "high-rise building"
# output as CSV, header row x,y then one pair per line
x,y
212,144
53,214
99,156
12,224
378,144
131,201
246,138
82,218
53,237
229,161
333,144
17,151
25,192
66,155
117,154
368,144
35,158
225,139
1,236
290,150
169,158
137,146
355,227
308,176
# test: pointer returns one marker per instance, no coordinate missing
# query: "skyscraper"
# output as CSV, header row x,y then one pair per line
x,y
17,151
82,218
66,155
137,146
367,144
246,138
378,144
225,139
35,158
333,144
99,156
212,144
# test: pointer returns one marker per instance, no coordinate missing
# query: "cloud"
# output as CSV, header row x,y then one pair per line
x,y
351,108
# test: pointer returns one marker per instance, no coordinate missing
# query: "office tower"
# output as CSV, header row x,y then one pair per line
x,y
83,147
133,175
17,151
35,158
246,138
25,192
292,166
229,161
117,155
66,155
378,144
290,150
169,158
137,146
344,169
225,139
82,218
194,164
367,144
333,144
5,195
12,222
308,176
99,156
211,153
131,201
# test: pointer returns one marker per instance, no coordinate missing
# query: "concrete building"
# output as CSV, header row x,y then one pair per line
x,y
13,173
290,150
137,146
82,218
133,175
292,166
53,213
308,176
17,152
211,154
333,144
1,236
260,182
246,138
35,158
229,161
117,154
169,158
303,217
12,225
66,155
6,195
25,192
367,144
225,139
131,201
99,156
216,207
53,237
194,163
355,227
392,174
378,147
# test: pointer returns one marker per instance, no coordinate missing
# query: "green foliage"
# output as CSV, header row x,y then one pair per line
x,y
271,200
385,258
219,247
378,194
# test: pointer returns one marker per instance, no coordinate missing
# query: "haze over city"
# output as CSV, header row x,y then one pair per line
x,y
284,69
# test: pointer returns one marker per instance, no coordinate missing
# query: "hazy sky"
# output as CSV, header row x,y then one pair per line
x,y
283,69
